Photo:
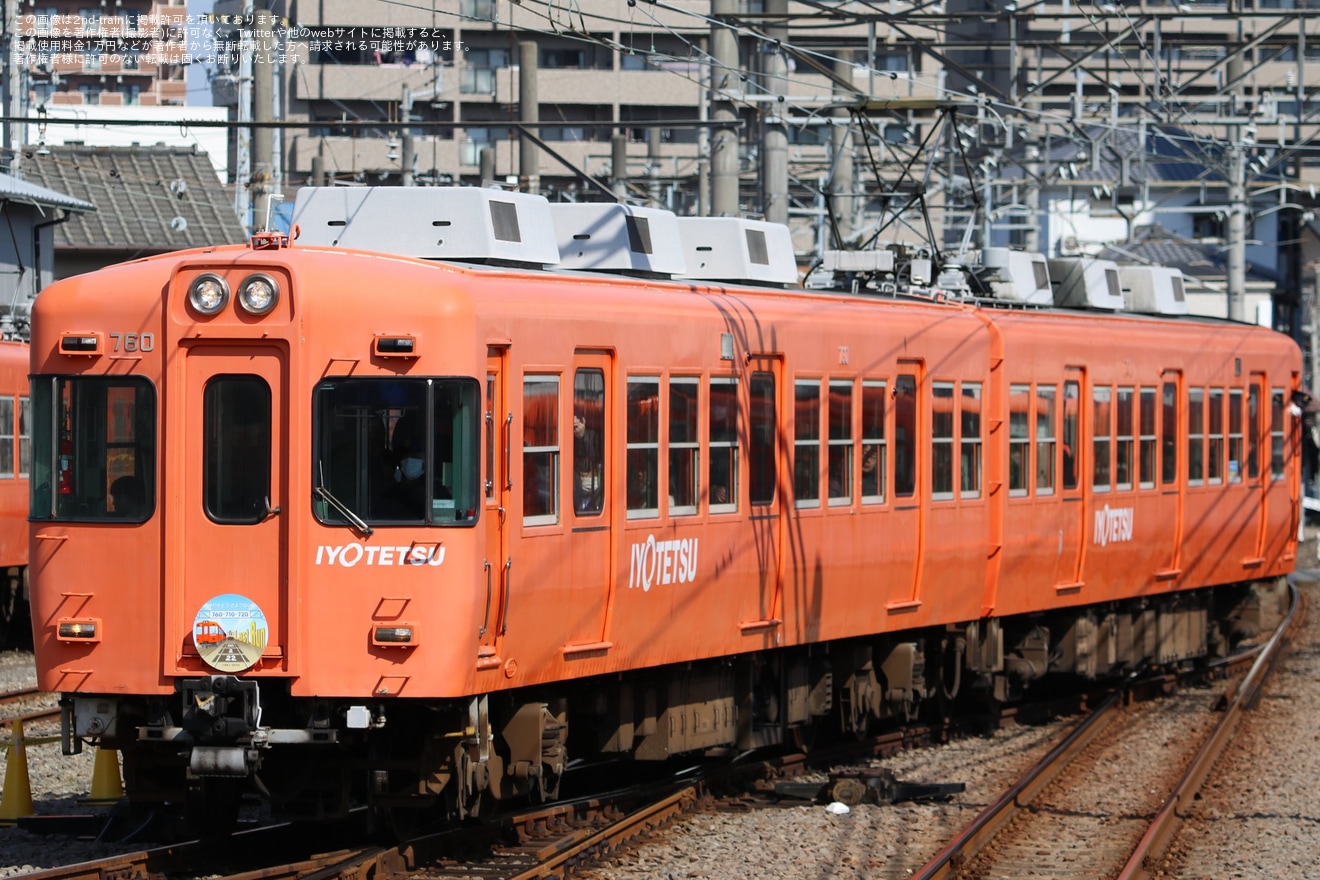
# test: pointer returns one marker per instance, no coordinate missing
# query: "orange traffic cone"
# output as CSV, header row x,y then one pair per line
x,y
16,799
106,785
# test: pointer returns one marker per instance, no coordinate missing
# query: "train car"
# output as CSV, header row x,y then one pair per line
x,y
464,515
15,458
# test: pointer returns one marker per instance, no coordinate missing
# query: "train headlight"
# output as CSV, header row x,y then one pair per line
x,y
208,294
78,629
258,294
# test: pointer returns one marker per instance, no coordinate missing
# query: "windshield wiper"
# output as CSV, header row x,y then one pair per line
x,y
356,521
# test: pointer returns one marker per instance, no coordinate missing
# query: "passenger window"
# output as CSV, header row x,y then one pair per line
x,y
873,442
762,440
970,414
1045,438
1123,439
1102,426
7,437
905,435
1195,436
683,446
941,441
840,464
806,443
540,450
1019,438
722,473
643,447
1235,435
1215,438
1146,454
24,435
589,442
1169,434
236,427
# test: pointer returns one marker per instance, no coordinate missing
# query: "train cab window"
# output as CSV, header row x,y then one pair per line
x,y
7,437
1146,449
24,436
1214,447
1019,438
722,441
873,442
905,435
1046,437
941,441
643,429
1072,410
1102,427
1169,433
93,449
1123,438
397,451
684,443
1276,432
541,450
840,464
1195,436
588,442
1235,435
1253,432
969,413
806,443
762,440
236,447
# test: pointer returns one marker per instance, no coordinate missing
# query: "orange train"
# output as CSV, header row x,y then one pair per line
x,y
487,515
15,452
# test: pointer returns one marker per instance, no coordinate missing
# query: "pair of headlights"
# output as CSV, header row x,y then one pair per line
x,y
257,294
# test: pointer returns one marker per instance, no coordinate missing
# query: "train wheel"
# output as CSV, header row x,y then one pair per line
x,y
212,806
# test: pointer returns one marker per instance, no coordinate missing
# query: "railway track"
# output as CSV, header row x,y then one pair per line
x,y
23,698
1067,815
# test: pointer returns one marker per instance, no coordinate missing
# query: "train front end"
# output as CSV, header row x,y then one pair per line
x,y
254,518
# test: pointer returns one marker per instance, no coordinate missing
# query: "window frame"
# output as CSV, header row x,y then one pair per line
x,y
868,439
943,431
842,445
731,444
553,452
641,447
690,448
807,442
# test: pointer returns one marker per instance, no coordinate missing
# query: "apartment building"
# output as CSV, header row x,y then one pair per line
x,y
98,52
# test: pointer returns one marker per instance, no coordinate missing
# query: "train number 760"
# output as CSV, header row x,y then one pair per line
x,y
133,341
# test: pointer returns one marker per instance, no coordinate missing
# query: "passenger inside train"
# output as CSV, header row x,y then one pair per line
x,y
128,497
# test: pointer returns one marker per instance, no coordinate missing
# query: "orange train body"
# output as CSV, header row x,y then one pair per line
x,y
1031,462
15,434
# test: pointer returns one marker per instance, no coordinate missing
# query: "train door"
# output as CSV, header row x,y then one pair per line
x,y
1171,481
764,491
909,512
1072,507
1277,460
229,535
498,484
591,508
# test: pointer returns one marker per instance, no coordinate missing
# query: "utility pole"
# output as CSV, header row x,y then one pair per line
x,y
841,181
724,138
774,134
263,110
619,166
243,141
15,92
1236,279
529,157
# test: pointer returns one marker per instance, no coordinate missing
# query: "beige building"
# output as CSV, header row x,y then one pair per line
x,y
88,52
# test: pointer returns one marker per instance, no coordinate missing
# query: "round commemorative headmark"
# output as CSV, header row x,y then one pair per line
x,y
230,632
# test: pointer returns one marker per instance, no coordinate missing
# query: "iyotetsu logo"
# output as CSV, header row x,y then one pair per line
x,y
350,555
662,562
1113,524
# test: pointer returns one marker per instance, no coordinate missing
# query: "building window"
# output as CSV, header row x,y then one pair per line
x,y
540,450
643,423
1046,438
684,445
873,442
1146,453
941,441
1123,439
806,443
970,414
1195,436
90,94
722,425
